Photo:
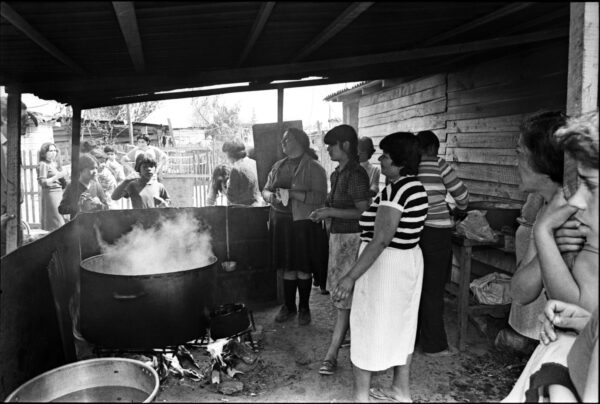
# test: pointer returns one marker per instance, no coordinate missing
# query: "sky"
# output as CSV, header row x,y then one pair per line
x,y
300,103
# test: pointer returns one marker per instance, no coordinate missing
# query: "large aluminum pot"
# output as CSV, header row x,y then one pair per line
x,y
144,311
94,380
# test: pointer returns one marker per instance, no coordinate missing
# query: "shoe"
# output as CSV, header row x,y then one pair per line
x,y
328,367
284,314
446,352
303,316
324,292
379,394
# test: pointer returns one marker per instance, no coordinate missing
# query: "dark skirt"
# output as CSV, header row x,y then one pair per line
x,y
299,245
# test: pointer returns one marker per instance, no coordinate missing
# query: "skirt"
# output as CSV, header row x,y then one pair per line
x,y
343,252
385,309
555,352
50,218
299,245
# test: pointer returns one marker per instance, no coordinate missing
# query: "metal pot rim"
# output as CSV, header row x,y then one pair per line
x,y
151,396
83,263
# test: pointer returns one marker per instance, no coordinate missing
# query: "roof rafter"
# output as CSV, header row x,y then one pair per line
x,y
22,25
124,86
545,18
203,93
261,19
125,12
502,12
341,22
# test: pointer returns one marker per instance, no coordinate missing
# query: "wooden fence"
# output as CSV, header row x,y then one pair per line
x,y
31,206
184,163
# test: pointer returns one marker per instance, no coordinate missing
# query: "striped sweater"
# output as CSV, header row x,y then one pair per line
x,y
439,178
409,197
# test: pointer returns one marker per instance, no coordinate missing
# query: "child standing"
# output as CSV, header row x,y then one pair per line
x,y
143,187
89,196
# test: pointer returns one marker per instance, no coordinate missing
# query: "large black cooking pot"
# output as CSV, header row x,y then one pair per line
x,y
144,311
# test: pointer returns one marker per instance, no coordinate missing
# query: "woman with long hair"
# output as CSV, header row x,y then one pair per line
x,y
51,179
348,199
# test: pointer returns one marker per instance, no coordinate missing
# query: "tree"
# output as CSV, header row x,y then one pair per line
x,y
92,118
220,121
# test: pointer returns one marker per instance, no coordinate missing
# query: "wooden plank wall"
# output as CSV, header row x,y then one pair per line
x,y
475,112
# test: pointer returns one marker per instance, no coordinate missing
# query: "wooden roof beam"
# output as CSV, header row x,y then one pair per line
x,y
341,22
125,12
259,24
22,25
97,103
87,87
503,12
543,19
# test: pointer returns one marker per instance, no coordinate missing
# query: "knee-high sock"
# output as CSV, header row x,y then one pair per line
x,y
289,293
304,286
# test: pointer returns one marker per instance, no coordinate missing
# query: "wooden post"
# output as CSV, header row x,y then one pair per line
x,y
582,79
13,194
130,124
75,140
280,106
466,253
280,291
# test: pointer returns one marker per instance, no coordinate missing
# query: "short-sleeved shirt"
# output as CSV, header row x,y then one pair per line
x,y
348,186
142,195
408,196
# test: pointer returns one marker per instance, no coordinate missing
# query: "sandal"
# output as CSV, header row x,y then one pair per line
x,y
380,394
328,367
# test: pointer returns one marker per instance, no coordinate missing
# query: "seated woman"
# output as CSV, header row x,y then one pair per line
x,y
144,189
580,285
387,277
540,159
578,381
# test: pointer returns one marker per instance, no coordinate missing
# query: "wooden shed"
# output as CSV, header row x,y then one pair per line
x,y
467,70
475,110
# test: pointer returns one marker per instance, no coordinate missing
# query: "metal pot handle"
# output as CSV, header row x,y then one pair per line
x,y
128,297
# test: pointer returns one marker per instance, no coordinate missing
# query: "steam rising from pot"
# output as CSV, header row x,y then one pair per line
x,y
171,245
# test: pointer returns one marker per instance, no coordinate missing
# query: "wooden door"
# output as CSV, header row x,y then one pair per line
x,y
267,146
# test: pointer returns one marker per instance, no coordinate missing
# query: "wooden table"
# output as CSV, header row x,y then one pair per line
x,y
463,248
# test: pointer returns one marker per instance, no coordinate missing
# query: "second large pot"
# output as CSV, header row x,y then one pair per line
x,y
144,311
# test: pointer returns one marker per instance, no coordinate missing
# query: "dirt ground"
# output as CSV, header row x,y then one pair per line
x,y
290,356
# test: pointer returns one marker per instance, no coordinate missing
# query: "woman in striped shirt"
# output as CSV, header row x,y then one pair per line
x,y
386,279
439,179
